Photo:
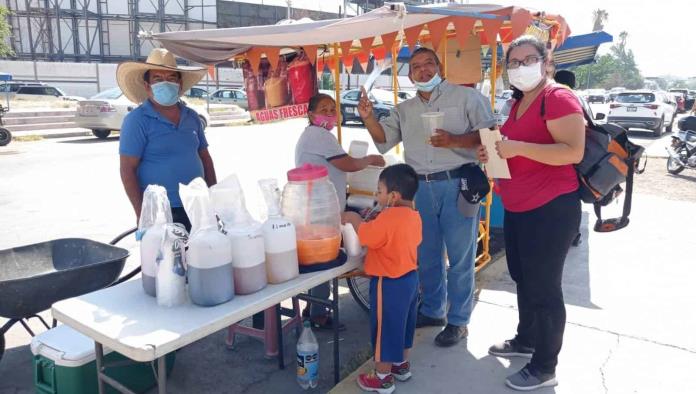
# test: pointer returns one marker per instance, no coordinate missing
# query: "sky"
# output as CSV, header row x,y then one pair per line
x,y
659,32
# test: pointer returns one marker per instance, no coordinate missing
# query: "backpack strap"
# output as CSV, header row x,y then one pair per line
x,y
608,225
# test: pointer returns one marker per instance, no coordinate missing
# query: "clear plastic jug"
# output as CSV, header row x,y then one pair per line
x,y
311,203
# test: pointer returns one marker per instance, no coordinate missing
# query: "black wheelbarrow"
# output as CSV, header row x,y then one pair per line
x,y
33,277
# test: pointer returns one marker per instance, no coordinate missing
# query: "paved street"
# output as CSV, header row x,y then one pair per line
x,y
59,188
628,294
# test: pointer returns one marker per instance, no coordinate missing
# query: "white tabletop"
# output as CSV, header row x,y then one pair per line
x,y
127,320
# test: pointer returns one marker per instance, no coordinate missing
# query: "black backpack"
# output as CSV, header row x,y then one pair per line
x,y
610,159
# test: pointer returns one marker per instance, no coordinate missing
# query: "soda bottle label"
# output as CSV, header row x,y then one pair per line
x,y
307,366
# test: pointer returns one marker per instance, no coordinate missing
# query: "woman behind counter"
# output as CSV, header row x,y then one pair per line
x,y
318,146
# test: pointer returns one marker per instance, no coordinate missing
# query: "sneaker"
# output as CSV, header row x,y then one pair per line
x,y
526,379
427,321
401,372
371,382
451,335
510,348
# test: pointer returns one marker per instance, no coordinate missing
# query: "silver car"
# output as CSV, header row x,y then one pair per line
x,y
105,112
230,96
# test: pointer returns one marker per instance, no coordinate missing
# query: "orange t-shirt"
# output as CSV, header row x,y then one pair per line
x,y
392,241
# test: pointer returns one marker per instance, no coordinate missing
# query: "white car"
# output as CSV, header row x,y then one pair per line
x,y
643,109
230,96
105,112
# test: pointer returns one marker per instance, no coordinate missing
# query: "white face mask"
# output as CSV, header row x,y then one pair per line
x,y
525,78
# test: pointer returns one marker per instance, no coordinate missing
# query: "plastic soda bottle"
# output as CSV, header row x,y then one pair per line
x,y
307,358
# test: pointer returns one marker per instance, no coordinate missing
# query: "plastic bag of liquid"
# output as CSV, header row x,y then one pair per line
x,y
154,215
280,239
244,233
209,254
171,274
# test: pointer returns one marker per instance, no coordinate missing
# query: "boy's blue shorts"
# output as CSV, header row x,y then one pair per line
x,y
393,308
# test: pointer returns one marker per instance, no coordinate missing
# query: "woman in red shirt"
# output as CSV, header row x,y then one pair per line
x,y
542,207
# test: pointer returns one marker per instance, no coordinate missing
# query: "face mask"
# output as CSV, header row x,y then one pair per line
x,y
326,121
165,93
428,87
525,78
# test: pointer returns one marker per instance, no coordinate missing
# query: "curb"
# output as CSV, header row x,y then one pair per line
x,y
53,135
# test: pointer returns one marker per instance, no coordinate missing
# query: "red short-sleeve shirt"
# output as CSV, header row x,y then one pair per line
x,y
532,183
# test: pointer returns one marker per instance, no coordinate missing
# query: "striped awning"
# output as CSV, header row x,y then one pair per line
x,y
579,50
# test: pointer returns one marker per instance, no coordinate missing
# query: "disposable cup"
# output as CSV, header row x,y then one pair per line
x,y
432,121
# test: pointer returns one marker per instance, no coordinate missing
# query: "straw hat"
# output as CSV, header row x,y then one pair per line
x,y
129,75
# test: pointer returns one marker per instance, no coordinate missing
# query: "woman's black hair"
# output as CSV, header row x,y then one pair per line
x,y
400,178
540,47
315,100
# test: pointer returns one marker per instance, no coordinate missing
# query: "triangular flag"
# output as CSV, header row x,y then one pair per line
x,y
490,29
412,34
254,57
311,52
437,29
348,62
366,45
345,48
211,71
388,41
520,19
363,59
272,54
463,27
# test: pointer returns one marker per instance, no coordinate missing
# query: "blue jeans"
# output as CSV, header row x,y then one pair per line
x,y
446,230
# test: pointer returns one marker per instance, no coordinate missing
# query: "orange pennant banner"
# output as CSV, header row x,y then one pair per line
x,y
272,54
311,52
388,41
366,45
463,27
345,48
438,29
520,19
490,30
254,57
412,34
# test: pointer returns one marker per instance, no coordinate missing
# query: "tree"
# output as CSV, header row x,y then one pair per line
x,y
5,50
599,18
617,68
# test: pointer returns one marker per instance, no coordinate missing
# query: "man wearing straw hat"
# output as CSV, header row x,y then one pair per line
x,y
162,140
443,159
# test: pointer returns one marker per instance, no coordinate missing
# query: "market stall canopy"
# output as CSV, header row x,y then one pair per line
x,y
371,32
580,49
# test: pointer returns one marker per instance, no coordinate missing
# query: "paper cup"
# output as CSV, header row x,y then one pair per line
x,y
432,121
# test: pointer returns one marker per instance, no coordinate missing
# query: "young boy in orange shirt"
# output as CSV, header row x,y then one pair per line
x,y
392,241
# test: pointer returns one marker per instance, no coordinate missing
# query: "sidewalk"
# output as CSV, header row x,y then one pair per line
x,y
629,299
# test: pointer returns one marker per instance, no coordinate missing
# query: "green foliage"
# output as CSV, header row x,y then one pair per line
x,y
617,68
5,49
327,81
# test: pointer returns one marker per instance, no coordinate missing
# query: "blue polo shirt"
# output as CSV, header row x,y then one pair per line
x,y
168,153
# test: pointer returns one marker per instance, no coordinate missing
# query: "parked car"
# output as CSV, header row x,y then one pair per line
x,y
597,96
349,106
230,96
501,100
44,91
643,109
13,87
196,93
104,112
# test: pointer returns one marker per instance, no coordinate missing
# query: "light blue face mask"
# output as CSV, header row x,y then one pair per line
x,y
165,93
428,87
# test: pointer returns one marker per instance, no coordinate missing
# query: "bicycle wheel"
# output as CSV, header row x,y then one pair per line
x,y
359,287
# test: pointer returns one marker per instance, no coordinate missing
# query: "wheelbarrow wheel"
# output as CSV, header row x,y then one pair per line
x,y
5,136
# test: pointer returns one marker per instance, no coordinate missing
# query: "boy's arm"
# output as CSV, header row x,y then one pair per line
x,y
373,234
352,218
